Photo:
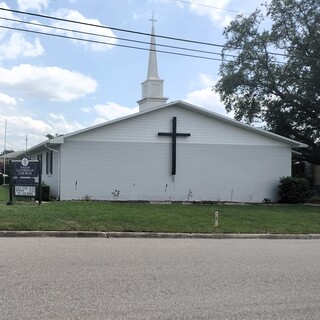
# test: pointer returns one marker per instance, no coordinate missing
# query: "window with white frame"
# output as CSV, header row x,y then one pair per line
x,y
49,162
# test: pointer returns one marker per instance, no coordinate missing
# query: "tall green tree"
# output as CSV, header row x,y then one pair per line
x,y
271,70
6,152
51,136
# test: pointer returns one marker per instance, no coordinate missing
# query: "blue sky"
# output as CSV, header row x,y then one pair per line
x,y
56,85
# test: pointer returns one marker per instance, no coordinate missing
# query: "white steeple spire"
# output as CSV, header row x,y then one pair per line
x,y
152,87
153,65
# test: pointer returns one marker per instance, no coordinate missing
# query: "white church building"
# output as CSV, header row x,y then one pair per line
x,y
166,152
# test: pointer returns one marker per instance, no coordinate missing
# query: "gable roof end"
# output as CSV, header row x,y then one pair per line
x,y
217,116
181,104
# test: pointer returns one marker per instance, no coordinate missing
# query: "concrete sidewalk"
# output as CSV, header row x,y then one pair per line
x,y
89,234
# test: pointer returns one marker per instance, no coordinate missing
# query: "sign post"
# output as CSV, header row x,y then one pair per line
x,y
216,219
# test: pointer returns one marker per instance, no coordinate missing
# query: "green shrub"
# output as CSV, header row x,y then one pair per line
x,y
45,193
294,190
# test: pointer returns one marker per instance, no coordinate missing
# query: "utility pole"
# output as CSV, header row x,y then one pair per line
x,y
4,152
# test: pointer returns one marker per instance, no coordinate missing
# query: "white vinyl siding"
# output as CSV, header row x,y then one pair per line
x,y
142,171
203,129
219,161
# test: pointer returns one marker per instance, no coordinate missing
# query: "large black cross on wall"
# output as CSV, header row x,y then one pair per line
x,y
174,134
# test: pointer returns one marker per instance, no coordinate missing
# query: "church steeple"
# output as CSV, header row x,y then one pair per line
x,y
152,87
153,65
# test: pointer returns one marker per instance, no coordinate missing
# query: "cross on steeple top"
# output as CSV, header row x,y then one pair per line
x,y
153,19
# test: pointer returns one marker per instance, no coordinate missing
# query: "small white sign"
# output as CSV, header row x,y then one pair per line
x,y
25,191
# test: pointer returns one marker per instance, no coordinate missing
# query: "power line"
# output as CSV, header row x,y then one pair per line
x,y
208,6
13,146
111,37
106,43
128,31
112,28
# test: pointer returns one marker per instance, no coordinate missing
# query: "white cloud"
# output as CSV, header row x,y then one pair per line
x,y
206,80
205,97
93,35
7,100
86,109
18,127
135,16
158,1
5,14
36,5
61,125
212,9
106,35
98,121
215,10
52,83
111,110
17,46
14,45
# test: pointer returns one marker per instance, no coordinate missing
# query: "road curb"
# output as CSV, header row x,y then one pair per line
x,y
161,235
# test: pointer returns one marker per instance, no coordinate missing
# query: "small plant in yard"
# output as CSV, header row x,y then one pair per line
x,y
190,195
115,194
86,198
294,190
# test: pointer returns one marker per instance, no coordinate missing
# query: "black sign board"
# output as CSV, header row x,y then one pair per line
x,y
23,183
28,168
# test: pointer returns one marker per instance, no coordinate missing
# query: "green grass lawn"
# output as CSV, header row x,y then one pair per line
x,y
4,193
198,218
100,216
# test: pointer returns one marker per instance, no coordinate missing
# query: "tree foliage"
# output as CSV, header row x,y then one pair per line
x,y
51,136
4,152
273,74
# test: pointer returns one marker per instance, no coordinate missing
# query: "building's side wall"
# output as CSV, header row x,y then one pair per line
x,y
217,162
52,179
142,172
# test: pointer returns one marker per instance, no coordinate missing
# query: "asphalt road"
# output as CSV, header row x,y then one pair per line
x,y
58,278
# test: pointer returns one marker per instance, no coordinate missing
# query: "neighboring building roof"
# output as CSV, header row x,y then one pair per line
x,y
13,155
181,104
